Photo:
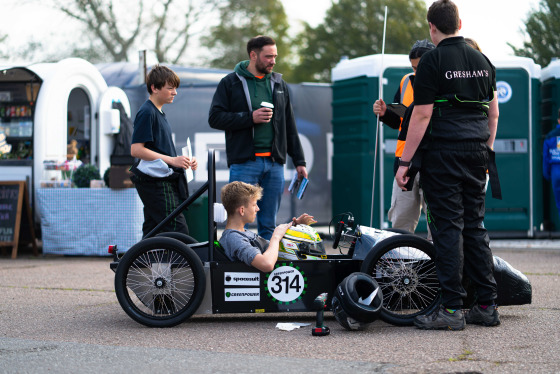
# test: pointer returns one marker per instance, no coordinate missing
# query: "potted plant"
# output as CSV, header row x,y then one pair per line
x,y
84,174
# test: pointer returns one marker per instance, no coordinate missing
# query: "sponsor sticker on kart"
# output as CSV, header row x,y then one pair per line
x,y
286,284
242,294
242,279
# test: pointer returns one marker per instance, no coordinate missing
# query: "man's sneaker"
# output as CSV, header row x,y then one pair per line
x,y
486,317
441,319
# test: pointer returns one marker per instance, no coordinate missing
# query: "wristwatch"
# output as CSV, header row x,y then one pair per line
x,y
404,163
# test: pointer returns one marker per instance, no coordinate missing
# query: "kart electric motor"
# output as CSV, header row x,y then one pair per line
x,y
301,242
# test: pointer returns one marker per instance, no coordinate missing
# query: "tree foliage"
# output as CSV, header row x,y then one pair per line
x,y
3,39
354,28
543,31
120,26
240,20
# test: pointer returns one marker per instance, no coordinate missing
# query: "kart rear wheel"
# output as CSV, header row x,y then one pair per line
x,y
160,282
184,238
404,268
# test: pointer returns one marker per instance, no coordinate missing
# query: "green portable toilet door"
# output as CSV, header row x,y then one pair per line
x,y
513,154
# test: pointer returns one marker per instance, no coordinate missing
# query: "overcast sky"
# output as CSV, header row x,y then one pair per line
x,y
492,23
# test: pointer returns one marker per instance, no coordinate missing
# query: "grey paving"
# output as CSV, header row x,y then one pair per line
x,y
60,315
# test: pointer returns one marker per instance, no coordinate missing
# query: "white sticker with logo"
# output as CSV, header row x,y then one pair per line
x,y
285,284
505,92
242,279
242,294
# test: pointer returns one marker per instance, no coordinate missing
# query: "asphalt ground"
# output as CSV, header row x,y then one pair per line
x,y
60,315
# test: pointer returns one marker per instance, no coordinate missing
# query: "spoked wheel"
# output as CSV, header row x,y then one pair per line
x,y
160,282
179,236
404,268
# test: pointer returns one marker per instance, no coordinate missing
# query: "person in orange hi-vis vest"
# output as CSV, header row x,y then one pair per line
x,y
406,206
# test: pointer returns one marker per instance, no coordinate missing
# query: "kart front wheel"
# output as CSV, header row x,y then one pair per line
x,y
160,282
404,268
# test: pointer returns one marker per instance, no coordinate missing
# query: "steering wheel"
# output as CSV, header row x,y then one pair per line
x,y
338,234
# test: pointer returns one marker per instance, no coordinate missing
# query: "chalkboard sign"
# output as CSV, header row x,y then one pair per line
x,y
13,201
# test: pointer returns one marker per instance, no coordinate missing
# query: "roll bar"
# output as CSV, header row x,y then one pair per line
x,y
210,186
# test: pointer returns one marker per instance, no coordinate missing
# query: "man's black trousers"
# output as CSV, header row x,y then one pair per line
x,y
453,177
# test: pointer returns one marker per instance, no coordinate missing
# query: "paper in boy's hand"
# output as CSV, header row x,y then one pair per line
x,y
294,184
187,151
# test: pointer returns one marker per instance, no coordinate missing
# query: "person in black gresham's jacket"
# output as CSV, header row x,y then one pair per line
x,y
454,122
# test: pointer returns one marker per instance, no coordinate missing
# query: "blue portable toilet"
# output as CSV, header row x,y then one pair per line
x,y
550,96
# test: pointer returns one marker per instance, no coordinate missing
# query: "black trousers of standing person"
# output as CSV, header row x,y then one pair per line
x,y
160,198
453,177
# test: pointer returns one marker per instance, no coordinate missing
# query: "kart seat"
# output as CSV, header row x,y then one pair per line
x,y
219,253
220,213
220,216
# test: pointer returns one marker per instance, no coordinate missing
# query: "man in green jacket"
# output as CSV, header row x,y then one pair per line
x,y
252,105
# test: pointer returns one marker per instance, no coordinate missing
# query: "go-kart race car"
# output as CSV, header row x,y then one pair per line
x,y
167,277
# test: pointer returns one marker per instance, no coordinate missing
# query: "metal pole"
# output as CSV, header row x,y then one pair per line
x,y
377,127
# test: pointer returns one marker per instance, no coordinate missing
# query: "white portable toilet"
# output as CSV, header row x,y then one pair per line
x,y
44,106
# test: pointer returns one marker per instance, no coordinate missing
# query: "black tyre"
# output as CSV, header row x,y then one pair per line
x,y
399,231
160,282
353,293
184,238
404,268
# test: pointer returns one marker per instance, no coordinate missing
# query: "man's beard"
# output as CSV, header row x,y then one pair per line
x,y
262,68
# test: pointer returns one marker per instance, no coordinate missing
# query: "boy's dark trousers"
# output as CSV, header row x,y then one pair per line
x,y
160,198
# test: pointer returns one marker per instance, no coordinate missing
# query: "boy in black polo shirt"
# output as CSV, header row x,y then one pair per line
x,y
455,95
159,176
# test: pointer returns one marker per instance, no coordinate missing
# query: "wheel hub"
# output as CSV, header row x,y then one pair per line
x,y
160,282
405,280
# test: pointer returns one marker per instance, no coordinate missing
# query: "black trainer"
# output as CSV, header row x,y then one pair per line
x,y
441,319
485,317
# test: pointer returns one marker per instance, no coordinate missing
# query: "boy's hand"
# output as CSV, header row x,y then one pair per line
x,y
401,177
184,162
304,219
194,163
280,231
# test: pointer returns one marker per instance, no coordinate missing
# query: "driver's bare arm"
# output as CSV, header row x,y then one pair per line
x,y
265,262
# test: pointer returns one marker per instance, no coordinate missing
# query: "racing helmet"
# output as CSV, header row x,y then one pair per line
x,y
344,319
301,242
357,301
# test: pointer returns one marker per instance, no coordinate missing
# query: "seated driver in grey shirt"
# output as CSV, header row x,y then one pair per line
x,y
240,201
